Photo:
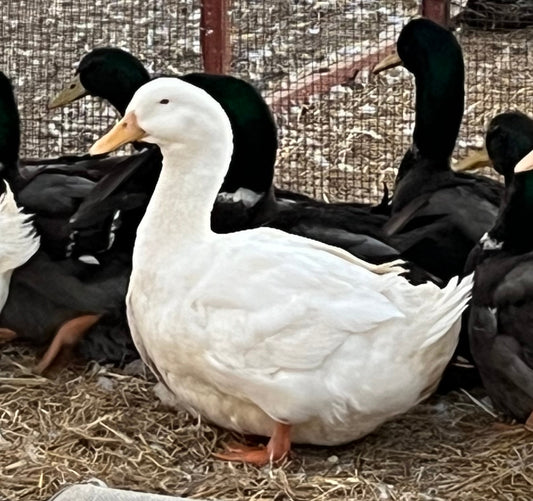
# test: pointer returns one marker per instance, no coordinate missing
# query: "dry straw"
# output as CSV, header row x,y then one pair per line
x,y
87,422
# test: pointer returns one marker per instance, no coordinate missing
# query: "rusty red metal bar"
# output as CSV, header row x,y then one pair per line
x,y
216,52
322,81
215,36
436,10
346,70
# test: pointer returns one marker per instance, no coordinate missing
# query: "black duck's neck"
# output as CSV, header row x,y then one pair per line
x,y
254,131
9,131
413,160
514,223
439,102
122,91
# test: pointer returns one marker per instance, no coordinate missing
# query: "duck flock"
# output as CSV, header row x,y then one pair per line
x,y
262,310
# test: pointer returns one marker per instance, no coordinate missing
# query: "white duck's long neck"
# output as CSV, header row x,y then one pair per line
x,y
179,212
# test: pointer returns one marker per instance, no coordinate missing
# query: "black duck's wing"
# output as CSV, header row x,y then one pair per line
x,y
291,196
109,340
114,208
438,230
44,294
500,332
485,187
54,193
342,225
506,375
383,208
469,211
409,216
52,199
87,166
360,245
53,190
514,300
135,173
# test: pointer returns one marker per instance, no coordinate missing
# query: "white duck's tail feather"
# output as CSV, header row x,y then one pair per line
x,y
18,239
448,308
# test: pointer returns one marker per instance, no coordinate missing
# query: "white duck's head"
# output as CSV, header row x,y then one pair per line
x,y
172,114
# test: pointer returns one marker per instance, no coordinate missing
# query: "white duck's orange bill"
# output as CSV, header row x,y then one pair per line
x,y
525,164
125,131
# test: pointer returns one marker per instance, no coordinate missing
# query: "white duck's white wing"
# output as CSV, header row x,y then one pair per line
x,y
263,309
283,289
297,242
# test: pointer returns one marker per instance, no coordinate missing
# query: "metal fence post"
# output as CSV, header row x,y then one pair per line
x,y
436,10
215,36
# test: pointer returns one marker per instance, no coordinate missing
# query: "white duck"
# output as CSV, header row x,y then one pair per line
x,y
261,331
18,242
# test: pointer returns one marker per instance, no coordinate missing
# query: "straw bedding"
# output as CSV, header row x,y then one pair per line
x,y
86,422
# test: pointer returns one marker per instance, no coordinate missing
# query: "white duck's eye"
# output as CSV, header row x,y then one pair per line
x,y
164,101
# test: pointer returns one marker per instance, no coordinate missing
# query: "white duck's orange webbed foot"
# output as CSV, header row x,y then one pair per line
x,y
529,423
276,450
7,335
68,336
238,447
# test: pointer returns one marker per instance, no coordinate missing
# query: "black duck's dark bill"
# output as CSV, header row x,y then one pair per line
x,y
525,164
390,61
74,90
125,131
473,161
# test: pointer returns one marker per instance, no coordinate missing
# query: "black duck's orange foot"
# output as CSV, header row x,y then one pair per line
x,y
7,335
66,338
277,449
501,426
529,423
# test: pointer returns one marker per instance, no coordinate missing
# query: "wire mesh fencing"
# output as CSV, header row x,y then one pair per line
x,y
42,42
341,142
497,42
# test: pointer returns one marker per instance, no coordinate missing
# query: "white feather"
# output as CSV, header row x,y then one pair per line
x,y
18,240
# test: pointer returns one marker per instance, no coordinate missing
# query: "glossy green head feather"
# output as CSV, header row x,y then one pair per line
x,y
434,56
9,124
509,138
112,74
